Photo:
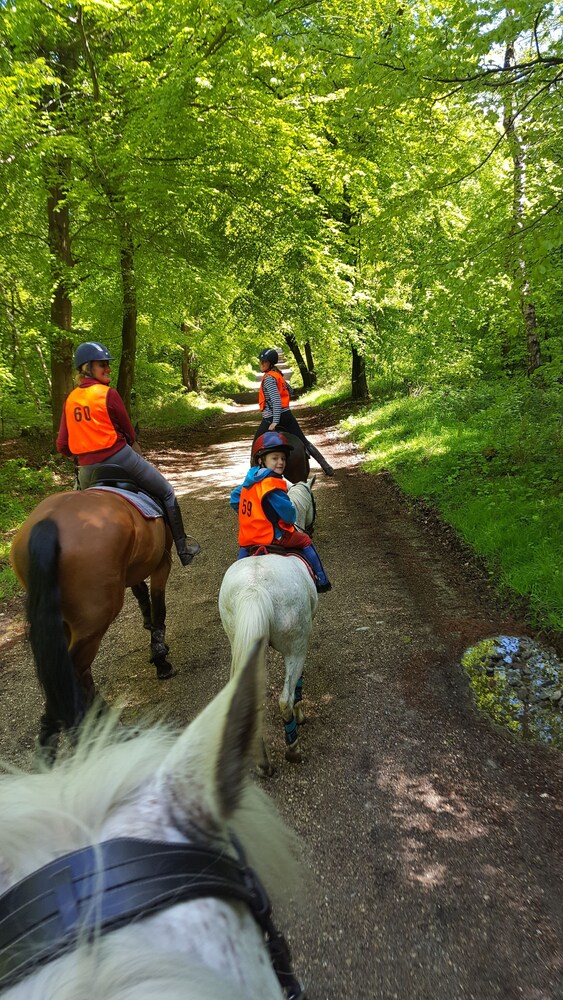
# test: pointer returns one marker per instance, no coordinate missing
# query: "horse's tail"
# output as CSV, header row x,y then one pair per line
x,y
254,612
46,626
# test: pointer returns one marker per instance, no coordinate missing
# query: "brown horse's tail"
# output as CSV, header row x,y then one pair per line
x,y
63,704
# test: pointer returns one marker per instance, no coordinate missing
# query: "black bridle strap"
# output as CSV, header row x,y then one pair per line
x,y
96,890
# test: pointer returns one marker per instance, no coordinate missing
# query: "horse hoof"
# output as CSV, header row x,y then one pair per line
x,y
161,652
294,756
265,770
165,672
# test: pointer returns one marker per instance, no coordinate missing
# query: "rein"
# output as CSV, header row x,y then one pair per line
x,y
91,892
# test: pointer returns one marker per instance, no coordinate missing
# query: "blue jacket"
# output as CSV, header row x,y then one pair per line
x,y
277,506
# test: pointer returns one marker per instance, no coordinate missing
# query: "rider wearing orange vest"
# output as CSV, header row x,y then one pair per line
x,y
273,400
282,388
96,429
266,515
90,427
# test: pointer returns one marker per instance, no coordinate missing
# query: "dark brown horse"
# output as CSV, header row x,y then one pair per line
x,y
75,555
297,467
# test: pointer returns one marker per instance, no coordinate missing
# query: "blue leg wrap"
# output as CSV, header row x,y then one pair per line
x,y
298,691
312,557
290,732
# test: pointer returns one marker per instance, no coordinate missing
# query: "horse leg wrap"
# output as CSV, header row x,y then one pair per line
x,y
290,731
298,706
159,649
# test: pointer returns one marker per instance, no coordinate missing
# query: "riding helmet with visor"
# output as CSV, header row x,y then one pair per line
x,y
90,351
270,441
269,355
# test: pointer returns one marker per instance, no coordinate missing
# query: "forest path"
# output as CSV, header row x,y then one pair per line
x,y
432,836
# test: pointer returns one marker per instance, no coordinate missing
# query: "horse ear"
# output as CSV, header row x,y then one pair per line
x,y
311,481
240,732
210,759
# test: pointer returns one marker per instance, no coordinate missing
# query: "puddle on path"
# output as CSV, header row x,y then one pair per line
x,y
519,684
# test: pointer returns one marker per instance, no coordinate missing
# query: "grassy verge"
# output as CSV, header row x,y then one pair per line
x,y
179,409
489,458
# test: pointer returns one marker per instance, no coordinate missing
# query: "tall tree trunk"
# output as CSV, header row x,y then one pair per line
x,y
360,388
61,303
129,322
296,351
62,60
310,363
518,213
189,369
350,220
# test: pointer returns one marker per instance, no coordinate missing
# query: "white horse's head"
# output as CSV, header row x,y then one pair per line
x,y
191,791
301,496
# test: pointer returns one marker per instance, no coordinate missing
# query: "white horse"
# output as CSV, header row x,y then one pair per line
x,y
145,892
275,597
301,496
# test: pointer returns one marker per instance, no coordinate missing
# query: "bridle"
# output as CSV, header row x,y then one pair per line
x,y
93,891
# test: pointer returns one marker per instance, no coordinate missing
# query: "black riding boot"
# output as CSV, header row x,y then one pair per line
x,y
185,548
327,469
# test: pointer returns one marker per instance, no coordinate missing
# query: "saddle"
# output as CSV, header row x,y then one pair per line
x,y
115,478
113,475
279,550
276,550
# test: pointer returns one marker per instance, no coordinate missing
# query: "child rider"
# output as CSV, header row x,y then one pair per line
x,y
266,515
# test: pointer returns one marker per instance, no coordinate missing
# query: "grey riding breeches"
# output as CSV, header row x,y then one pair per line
x,y
139,470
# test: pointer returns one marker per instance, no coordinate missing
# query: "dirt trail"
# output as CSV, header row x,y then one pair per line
x,y
432,836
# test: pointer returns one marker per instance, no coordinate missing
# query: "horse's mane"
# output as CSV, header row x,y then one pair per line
x,y
66,806
302,499
124,972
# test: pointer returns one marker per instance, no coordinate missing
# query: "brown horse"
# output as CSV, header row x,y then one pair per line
x,y
75,555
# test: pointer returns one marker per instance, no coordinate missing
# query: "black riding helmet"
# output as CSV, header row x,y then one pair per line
x,y
269,355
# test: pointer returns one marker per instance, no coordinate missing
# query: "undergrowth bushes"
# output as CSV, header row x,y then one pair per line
x,y
488,456
20,490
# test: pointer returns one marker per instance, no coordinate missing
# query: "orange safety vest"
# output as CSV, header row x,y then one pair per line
x,y
283,390
254,526
88,421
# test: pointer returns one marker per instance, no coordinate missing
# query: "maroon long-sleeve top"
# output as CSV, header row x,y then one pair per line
x,y
120,420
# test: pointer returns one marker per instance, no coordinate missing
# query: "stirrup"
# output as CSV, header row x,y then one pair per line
x,y
187,550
